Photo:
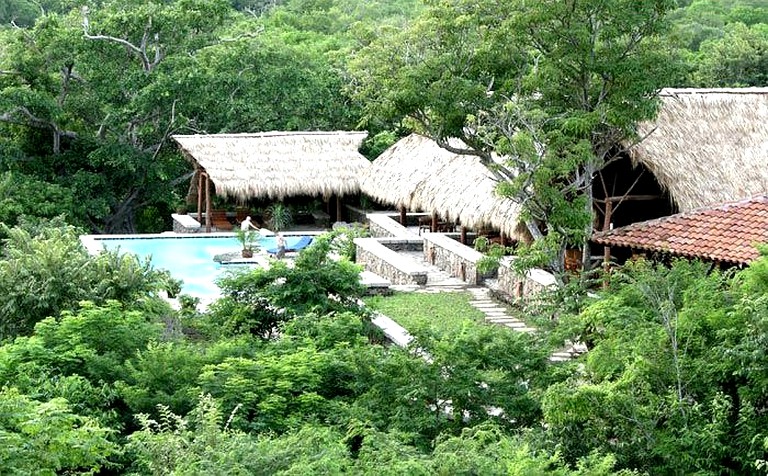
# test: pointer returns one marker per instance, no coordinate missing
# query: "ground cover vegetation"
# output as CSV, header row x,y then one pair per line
x,y
285,374
674,381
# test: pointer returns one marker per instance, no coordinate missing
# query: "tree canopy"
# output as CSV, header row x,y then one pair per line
x,y
285,373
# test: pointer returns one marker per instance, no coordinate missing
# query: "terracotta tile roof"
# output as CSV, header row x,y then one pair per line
x,y
726,232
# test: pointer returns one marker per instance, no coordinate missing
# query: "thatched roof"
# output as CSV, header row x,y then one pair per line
x,y
279,164
417,174
708,146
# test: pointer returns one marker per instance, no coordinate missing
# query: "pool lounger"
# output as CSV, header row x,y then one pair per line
x,y
300,244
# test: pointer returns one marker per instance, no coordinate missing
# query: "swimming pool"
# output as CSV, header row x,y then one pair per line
x,y
187,257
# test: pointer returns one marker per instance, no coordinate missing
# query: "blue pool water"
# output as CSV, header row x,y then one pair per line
x,y
188,258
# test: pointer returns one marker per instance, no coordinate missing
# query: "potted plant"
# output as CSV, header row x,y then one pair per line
x,y
249,240
279,216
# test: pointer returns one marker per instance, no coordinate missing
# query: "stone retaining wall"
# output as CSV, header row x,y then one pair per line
x,y
382,225
517,286
383,261
185,224
414,243
458,260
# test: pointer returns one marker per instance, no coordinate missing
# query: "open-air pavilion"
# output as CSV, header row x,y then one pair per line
x,y
274,165
705,148
417,174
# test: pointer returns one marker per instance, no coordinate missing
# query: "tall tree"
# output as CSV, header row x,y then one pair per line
x,y
554,86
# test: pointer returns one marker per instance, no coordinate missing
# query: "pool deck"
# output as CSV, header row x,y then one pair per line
x,y
91,242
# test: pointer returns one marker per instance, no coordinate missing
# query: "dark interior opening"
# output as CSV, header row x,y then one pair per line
x,y
635,195
645,198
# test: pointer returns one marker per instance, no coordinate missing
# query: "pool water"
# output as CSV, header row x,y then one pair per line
x,y
189,259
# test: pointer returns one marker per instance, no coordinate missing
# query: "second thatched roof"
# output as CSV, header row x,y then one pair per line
x,y
275,165
708,146
417,174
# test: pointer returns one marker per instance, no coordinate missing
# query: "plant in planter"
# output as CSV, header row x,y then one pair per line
x,y
279,216
249,240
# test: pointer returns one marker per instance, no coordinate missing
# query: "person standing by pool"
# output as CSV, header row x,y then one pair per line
x,y
246,224
280,246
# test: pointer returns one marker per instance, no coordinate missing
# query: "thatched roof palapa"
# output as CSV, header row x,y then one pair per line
x,y
279,164
708,146
417,174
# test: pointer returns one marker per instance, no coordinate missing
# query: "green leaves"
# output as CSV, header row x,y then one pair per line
x,y
48,438
43,275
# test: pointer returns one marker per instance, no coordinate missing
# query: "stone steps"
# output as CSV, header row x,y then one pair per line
x,y
495,313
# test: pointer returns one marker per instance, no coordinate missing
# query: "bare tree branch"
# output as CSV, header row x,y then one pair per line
x,y
140,51
34,121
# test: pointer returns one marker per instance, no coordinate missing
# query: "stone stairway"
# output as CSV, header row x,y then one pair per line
x,y
495,313
440,281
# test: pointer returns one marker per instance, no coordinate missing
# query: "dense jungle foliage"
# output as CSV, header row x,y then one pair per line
x,y
90,92
98,374
285,374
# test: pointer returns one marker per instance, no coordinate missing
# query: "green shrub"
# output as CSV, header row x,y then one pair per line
x,y
45,274
48,438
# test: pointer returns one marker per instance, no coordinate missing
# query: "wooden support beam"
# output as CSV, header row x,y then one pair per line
x,y
627,197
402,216
607,226
199,196
338,209
207,204
433,227
463,238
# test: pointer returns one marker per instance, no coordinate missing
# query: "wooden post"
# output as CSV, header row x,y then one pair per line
x,y
463,235
433,227
402,216
338,208
199,196
207,204
502,238
606,226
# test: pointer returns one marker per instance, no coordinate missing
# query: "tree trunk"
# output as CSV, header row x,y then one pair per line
x,y
589,171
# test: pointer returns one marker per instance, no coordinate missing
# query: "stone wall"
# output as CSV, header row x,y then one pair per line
x,y
385,262
516,286
414,243
454,258
382,225
185,224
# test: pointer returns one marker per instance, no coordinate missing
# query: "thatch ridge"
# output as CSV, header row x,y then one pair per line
x,y
417,174
708,146
277,164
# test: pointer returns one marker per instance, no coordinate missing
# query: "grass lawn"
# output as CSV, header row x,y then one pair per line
x,y
442,312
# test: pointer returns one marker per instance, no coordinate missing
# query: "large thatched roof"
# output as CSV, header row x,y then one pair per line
x,y
417,174
279,164
708,146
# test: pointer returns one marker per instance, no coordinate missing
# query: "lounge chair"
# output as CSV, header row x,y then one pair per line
x,y
292,244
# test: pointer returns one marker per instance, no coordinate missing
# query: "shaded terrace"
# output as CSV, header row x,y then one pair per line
x,y
274,165
417,174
